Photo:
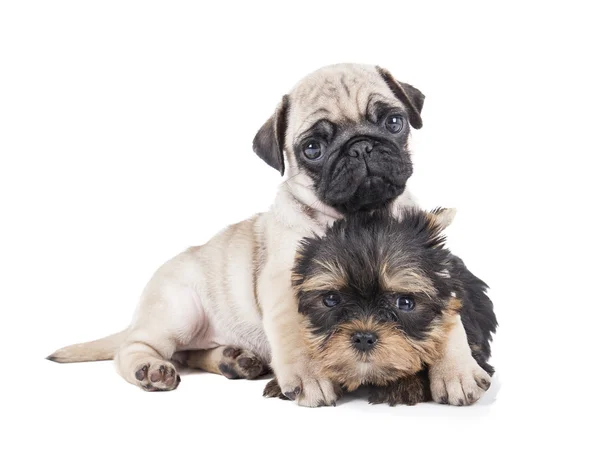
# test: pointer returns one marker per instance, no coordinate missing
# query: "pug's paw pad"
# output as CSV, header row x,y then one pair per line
x,y
157,376
239,363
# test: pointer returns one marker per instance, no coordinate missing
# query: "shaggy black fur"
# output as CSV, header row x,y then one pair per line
x,y
360,244
477,313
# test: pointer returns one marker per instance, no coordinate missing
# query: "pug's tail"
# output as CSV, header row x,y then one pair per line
x,y
96,350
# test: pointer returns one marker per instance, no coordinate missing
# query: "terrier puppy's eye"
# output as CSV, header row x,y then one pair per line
x,y
405,303
331,299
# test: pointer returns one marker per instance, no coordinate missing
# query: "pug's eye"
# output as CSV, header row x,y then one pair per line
x,y
405,303
394,123
312,150
331,299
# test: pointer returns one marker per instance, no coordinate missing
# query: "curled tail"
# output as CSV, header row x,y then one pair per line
x,y
96,350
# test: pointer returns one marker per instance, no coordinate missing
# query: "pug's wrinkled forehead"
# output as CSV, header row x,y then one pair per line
x,y
339,93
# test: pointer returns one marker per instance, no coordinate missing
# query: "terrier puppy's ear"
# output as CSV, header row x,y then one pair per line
x,y
269,142
412,97
442,217
437,221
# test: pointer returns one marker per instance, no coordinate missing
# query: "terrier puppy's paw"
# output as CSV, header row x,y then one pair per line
x,y
300,384
408,391
157,376
238,363
458,383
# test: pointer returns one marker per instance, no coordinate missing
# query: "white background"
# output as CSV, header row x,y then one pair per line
x,y
125,137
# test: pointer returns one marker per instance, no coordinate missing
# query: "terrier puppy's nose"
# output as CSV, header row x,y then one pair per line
x,y
364,341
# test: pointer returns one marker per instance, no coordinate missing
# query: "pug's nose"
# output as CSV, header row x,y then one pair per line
x,y
364,341
358,148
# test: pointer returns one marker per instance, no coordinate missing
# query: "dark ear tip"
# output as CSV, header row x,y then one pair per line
x,y
412,97
268,142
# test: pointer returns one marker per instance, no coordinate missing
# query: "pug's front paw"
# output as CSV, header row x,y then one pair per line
x,y
300,384
458,382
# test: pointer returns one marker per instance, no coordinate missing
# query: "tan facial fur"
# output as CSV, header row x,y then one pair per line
x,y
395,355
330,277
406,280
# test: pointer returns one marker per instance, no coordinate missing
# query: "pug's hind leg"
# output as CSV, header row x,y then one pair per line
x,y
231,362
142,365
408,391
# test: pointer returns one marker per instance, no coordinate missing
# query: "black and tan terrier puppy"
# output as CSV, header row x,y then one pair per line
x,y
379,297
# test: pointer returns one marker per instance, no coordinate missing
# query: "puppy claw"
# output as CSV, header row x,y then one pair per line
x,y
483,383
292,395
306,389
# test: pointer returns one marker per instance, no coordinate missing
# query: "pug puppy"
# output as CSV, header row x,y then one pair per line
x,y
382,298
340,137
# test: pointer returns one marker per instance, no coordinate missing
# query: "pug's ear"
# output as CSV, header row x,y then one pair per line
x,y
269,142
410,96
442,217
